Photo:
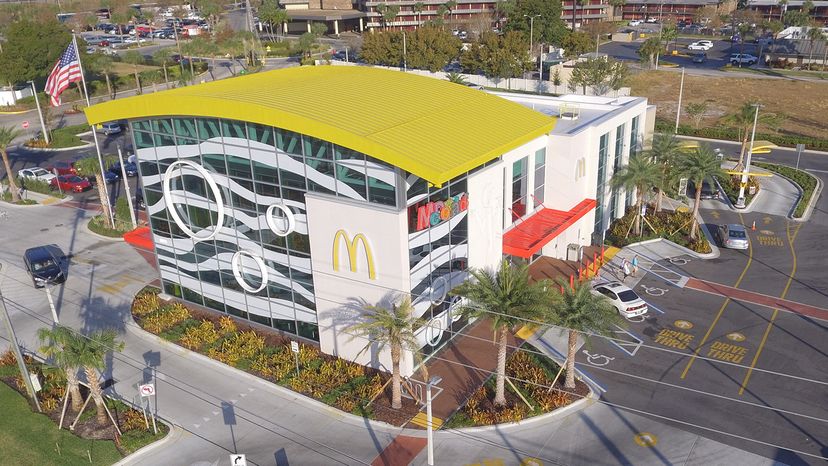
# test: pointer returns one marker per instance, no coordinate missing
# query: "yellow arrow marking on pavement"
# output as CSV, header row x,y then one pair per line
x,y
715,214
767,220
646,439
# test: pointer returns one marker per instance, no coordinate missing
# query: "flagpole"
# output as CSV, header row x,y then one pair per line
x,y
94,134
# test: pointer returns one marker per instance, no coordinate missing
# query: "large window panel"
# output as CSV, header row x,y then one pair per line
x,y
162,125
289,141
317,148
239,167
143,140
185,128
233,129
214,163
260,133
208,128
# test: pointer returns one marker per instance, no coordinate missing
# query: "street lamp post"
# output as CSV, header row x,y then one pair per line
x,y
405,59
681,91
431,382
531,31
40,114
740,201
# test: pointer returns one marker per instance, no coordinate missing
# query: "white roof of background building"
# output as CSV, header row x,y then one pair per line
x,y
591,110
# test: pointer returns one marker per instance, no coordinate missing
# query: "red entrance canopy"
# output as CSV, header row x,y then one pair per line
x,y
530,235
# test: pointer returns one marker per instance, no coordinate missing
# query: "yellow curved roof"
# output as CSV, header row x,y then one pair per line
x,y
432,128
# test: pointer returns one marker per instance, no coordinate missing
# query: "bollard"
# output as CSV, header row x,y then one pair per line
x,y
594,262
572,280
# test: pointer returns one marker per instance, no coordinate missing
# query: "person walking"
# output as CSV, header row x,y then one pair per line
x,y
625,267
635,265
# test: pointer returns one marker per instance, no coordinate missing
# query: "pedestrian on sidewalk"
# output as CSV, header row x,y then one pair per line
x,y
635,265
625,267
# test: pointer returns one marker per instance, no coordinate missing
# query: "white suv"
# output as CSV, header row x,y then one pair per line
x,y
704,45
743,58
628,303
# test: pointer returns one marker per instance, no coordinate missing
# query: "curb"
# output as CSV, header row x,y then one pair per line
x,y
109,238
17,113
174,433
565,411
812,204
709,255
62,149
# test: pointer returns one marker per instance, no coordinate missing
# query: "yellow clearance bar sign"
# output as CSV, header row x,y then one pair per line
x,y
351,248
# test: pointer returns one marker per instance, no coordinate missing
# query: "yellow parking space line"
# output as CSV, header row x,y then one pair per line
x,y
422,420
791,239
721,310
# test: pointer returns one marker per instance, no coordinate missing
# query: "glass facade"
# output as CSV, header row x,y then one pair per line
x,y
634,136
438,254
540,176
226,204
520,187
603,149
616,165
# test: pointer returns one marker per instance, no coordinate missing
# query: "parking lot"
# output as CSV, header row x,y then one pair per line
x,y
716,57
751,372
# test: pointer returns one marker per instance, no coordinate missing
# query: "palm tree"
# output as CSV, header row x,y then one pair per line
x,y
91,354
507,298
580,311
663,152
814,34
135,58
782,7
58,344
418,8
7,135
395,328
162,56
640,174
697,166
575,4
456,78
450,5
743,119
90,166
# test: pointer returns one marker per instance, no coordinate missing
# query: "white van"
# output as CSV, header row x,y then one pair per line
x,y
110,128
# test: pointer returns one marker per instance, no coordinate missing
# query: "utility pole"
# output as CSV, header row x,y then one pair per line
x,y
21,364
126,189
40,114
531,31
681,91
405,58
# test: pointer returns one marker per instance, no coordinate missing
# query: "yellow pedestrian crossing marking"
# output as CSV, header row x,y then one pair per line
x,y
422,420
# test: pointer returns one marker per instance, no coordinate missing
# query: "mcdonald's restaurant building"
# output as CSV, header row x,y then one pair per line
x,y
296,197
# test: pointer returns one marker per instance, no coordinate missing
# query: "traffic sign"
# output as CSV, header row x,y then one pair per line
x,y
25,124
294,346
238,460
147,390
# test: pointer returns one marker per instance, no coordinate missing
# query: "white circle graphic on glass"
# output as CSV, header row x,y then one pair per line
x,y
439,290
434,332
236,264
454,309
282,225
176,169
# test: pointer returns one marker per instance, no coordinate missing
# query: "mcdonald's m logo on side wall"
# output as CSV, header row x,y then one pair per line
x,y
351,246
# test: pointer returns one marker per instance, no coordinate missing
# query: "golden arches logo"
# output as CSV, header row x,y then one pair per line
x,y
351,248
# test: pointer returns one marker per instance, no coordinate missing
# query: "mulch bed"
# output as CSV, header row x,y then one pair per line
x,y
396,417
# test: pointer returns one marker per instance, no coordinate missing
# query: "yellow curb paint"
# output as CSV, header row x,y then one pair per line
x,y
422,420
526,331
49,201
15,113
610,252
646,439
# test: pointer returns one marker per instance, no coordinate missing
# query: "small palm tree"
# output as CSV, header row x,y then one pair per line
x,y
664,151
135,58
640,174
162,56
508,299
697,166
450,6
7,135
396,328
580,311
91,167
58,344
743,120
418,8
456,78
91,354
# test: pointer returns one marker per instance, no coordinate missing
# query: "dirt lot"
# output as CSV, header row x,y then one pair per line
x,y
126,69
805,103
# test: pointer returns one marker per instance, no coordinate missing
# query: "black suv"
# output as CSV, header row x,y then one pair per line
x,y
43,265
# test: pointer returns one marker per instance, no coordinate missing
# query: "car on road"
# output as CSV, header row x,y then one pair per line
x,y
625,300
743,59
109,177
652,20
111,128
72,183
129,167
699,57
43,266
710,189
703,45
36,173
733,236
63,168
635,22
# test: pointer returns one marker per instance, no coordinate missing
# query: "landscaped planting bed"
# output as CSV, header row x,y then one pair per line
x,y
674,226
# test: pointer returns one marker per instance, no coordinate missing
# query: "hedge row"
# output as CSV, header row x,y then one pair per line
x,y
732,134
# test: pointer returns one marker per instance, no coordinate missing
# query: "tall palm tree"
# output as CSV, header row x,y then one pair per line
x,y
396,328
663,151
743,119
162,56
58,344
580,311
91,167
7,135
450,6
508,299
135,58
418,9
782,7
91,354
640,174
814,34
697,166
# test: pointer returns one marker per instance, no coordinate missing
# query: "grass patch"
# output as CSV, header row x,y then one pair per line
x,y
7,197
61,138
805,180
778,72
96,225
29,438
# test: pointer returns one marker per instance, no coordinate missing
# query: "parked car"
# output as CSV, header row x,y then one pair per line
x,y
36,173
139,199
699,57
733,236
475,86
110,128
635,22
109,177
43,266
72,183
129,167
743,58
625,300
652,20
703,45
63,168
710,189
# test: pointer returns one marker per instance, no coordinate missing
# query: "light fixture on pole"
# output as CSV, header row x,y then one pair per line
x,y
40,114
434,381
740,201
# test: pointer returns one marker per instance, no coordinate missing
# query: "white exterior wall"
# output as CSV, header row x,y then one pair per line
x,y
342,294
486,216
9,96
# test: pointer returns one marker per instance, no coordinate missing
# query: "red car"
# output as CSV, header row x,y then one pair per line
x,y
63,168
71,183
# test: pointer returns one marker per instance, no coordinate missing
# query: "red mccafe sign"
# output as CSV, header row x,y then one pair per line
x,y
433,213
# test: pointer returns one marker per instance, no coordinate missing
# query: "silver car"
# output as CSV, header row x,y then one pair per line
x,y
733,236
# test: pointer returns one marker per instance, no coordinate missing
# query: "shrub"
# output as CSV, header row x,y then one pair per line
x,y
166,318
244,345
196,337
123,218
227,325
146,303
8,358
48,404
133,420
274,366
732,134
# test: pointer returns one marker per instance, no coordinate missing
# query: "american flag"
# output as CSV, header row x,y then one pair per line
x,y
66,71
